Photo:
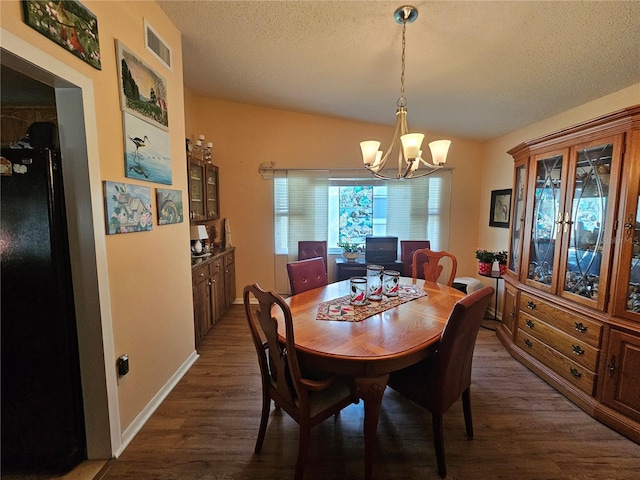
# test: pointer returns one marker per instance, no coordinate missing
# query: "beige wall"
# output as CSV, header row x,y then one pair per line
x,y
244,136
149,276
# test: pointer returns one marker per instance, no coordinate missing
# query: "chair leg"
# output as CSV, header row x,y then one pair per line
x,y
266,405
438,442
466,408
303,450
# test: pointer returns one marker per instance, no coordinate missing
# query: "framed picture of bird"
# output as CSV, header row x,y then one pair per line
x,y
500,209
67,23
143,93
147,151
169,205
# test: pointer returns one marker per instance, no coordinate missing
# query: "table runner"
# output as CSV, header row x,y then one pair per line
x,y
340,309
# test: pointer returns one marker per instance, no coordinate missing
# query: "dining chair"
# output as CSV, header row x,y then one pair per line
x,y
434,265
307,274
438,381
308,399
311,249
407,247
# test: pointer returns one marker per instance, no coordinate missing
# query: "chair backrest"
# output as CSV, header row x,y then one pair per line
x,y
311,249
407,247
278,361
307,274
434,265
454,356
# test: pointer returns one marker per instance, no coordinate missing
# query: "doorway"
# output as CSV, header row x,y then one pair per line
x,y
75,112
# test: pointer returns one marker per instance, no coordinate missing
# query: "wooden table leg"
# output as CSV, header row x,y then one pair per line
x,y
371,391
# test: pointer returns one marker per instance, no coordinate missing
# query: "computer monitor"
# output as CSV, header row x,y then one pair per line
x,y
381,249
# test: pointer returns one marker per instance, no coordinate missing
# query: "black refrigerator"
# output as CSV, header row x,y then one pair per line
x,y
42,412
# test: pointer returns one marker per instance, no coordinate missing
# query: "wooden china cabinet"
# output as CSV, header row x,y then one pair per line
x,y
213,274
572,289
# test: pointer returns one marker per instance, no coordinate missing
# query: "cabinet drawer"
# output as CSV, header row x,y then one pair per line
x,y
200,273
216,266
568,369
568,345
229,258
582,328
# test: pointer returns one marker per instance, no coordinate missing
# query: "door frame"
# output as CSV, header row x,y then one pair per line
x,y
76,112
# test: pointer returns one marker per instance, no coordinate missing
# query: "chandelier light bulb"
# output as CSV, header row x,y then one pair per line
x,y
411,143
370,151
439,150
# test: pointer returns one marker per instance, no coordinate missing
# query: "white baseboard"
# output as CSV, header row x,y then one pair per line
x,y
155,402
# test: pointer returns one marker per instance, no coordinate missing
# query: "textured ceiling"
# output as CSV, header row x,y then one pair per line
x,y
473,69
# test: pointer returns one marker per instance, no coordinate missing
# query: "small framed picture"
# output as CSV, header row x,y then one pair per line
x,y
500,210
169,206
127,208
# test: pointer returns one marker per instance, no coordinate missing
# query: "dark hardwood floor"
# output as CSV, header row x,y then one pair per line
x,y
206,428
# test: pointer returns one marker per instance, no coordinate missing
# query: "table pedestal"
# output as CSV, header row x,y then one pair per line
x,y
494,274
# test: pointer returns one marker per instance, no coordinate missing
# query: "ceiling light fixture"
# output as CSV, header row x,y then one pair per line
x,y
406,144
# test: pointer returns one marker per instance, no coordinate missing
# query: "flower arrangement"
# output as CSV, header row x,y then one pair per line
x,y
348,247
485,256
501,257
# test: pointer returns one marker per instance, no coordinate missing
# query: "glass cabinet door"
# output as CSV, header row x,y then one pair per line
x,y
632,232
517,221
213,207
196,191
547,206
585,223
627,297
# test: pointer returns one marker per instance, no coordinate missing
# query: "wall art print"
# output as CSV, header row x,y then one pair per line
x,y
500,208
143,92
356,213
147,151
169,205
69,24
127,208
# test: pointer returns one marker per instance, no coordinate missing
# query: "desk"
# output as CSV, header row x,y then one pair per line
x,y
369,350
358,268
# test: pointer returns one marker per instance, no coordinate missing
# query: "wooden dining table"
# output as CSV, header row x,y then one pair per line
x,y
370,349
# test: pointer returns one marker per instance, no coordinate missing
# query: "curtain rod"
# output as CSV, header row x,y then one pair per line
x,y
266,169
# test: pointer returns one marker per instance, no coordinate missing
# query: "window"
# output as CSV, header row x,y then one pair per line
x,y
341,205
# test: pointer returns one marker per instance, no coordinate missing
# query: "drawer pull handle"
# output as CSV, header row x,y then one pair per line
x,y
581,328
529,324
531,305
575,372
528,343
577,350
612,366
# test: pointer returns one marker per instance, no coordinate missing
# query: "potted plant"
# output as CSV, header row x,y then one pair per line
x,y
350,251
485,261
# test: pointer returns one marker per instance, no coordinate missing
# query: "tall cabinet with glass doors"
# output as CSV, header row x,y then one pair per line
x,y
572,303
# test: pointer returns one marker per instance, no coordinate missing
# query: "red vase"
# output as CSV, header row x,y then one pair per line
x,y
484,268
503,268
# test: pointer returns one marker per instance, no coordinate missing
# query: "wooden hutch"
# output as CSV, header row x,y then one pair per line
x,y
572,298
213,274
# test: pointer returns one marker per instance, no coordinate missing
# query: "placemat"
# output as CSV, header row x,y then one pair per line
x,y
340,309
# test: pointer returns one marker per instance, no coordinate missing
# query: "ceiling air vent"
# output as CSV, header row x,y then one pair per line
x,y
157,46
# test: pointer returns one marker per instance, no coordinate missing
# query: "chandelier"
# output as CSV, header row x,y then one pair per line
x,y
407,145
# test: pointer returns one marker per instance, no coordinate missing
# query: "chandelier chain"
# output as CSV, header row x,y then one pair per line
x,y
402,101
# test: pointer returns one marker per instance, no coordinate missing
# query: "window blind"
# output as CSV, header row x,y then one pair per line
x,y
417,209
